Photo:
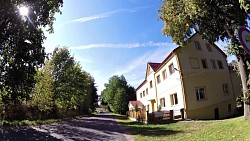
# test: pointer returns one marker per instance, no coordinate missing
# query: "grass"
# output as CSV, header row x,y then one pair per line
x,y
27,122
34,122
235,129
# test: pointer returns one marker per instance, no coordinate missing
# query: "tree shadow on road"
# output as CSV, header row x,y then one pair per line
x,y
24,134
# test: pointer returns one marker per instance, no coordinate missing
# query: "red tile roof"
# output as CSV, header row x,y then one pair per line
x,y
138,103
154,66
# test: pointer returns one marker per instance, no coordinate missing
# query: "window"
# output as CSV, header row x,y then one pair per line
x,y
147,91
162,102
194,63
229,108
220,64
200,93
143,93
171,69
213,64
174,99
209,47
158,79
164,74
197,45
151,84
225,89
204,63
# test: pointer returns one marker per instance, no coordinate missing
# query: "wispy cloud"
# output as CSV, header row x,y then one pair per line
x,y
135,70
104,15
132,45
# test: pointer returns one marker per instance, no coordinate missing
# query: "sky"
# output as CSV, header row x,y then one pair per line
x,y
111,37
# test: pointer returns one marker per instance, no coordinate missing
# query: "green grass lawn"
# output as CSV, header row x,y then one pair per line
x,y
235,129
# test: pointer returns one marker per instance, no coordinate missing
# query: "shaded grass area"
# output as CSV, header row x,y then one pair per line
x,y
224,130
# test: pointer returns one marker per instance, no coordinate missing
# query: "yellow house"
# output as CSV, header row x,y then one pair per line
x,y
195,78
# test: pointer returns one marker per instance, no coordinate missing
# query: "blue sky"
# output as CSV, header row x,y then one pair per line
x,y
112,37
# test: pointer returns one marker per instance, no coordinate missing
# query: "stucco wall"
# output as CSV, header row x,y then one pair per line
x,y
208,112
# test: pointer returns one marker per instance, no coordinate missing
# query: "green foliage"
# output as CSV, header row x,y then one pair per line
x,y
21,49
117,94
214,19
73,88
43,92
136,108
121,100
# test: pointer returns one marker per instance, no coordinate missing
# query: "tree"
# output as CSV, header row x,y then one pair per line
x,y
42,95
121,100
93,93
118,93
215,20
21,39
73,88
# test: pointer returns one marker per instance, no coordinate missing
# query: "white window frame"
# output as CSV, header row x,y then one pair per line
x,y
163,102
171,69
158,79
174,99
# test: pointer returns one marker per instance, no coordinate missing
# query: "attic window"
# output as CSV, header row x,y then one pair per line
x,y
208,47
151,84
197,45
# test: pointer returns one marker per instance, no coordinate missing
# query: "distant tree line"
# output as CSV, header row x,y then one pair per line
x,y
117,94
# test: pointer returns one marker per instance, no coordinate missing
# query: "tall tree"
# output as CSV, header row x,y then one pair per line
x,y
42,95
21,39
121,100
73,88
117,94
215,20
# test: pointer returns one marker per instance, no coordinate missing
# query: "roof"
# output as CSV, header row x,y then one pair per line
x,y
138,103
154,66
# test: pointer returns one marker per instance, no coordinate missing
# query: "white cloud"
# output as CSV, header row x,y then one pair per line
x,y
104,15
137,67
132,45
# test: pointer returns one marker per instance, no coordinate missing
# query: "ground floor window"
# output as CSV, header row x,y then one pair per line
x,y
162,102
200,93
174,99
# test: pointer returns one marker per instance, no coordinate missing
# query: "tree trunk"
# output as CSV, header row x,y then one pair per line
x,y
243,75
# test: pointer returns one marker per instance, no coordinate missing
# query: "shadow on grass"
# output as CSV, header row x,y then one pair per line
x,y
138,128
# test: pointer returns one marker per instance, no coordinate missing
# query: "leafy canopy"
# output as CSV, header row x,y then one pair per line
x,y
21,39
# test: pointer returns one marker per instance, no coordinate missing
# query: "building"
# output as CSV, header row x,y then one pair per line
x,y
195,78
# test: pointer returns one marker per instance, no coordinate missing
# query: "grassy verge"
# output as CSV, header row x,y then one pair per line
x,y
34,122
223,130
27,122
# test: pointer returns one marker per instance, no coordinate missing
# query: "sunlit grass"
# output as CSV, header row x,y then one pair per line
x,y
212,130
